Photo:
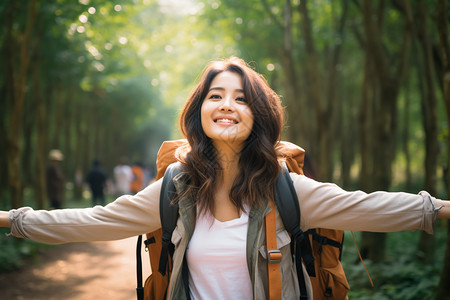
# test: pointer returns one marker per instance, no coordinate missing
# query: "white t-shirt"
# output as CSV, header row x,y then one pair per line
x,y
216,258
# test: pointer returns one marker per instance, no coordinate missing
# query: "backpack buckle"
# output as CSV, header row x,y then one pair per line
x,y
274,256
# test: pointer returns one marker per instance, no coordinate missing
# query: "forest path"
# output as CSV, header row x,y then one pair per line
x,y
78,271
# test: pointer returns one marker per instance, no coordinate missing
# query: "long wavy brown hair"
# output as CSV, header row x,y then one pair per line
x,y
258,162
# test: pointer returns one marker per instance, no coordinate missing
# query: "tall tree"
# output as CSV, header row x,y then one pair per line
x,y
429,106
322,92
40,185
291,83
389,78
23,40
442,28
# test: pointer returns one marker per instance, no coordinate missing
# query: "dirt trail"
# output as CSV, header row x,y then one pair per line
x,y
78,271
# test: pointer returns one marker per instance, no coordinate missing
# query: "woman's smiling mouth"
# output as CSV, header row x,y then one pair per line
x,y
225,121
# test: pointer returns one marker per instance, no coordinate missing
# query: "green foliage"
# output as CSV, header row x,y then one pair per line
x,y
402,275
14,252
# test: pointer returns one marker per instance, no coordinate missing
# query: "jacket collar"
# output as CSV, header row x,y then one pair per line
x,y
187,207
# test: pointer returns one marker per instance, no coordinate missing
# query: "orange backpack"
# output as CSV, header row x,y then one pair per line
x,y
329,281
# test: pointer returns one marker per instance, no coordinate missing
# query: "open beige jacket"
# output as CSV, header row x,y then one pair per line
x,y
322,205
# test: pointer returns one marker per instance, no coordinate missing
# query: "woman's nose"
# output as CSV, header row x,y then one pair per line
x,y
226,104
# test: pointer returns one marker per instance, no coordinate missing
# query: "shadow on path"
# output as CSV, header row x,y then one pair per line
x,y
81,271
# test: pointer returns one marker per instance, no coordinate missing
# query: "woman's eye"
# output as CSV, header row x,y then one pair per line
x,y
214,96
241,99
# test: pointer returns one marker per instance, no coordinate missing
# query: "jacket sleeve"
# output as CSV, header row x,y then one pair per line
x,y
127,216
325,205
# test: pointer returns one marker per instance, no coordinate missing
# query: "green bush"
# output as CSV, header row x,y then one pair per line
x,y
401,276
13,251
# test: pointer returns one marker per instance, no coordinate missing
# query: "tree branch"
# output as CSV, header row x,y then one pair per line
x,y
274,17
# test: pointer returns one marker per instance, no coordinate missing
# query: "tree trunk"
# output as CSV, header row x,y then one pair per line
x,y
385,122
291,82
14,149
348,141
333,99
27,157
427,242
365,130
40,184
292,100
406,137
442,27
67,110
78,153
324,108
58,118
315,89
7,93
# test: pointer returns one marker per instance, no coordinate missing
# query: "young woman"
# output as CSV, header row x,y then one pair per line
x,y
232,121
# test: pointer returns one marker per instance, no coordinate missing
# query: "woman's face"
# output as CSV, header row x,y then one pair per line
x,y
225,116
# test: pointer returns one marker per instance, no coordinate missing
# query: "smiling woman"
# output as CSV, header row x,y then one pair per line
x,y
231,115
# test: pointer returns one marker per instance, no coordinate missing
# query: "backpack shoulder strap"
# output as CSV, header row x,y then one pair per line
x,y
289,210
139,287
273,255
168,213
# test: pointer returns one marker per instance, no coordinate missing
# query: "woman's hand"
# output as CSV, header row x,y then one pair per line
x,y
4,215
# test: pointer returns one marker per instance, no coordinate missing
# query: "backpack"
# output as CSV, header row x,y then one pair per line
x,y
320,252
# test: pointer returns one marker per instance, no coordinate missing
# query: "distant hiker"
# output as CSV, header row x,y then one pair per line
x,y
55,179
123,177
97,178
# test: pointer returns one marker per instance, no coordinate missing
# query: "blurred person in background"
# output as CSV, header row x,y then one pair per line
x,y
123,177
55,179
97,179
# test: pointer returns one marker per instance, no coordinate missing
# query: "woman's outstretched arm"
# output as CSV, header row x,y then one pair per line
x,y
129,215
325,205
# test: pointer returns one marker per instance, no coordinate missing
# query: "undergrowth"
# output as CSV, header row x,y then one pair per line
x,y
15,253
402,275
